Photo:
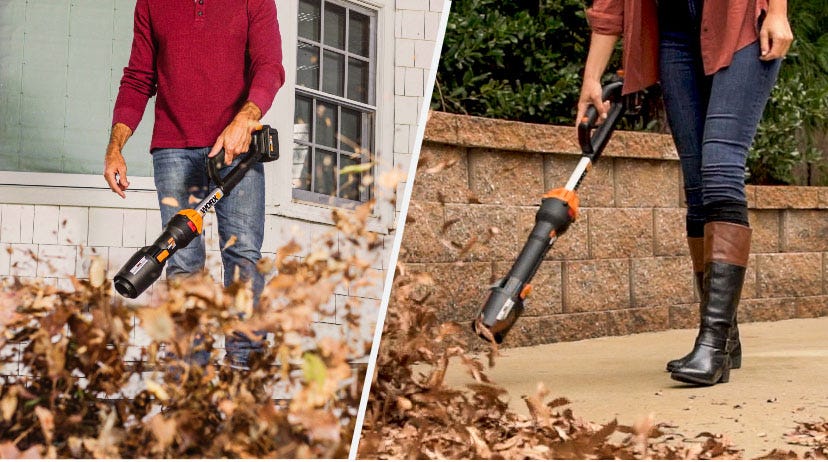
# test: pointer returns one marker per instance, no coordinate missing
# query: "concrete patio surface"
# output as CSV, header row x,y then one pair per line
x,y
783,380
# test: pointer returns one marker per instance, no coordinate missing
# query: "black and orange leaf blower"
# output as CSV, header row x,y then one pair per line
x,y
145,266
558,210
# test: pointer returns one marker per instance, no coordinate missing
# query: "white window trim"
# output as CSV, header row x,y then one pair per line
x,y
281,116
84,190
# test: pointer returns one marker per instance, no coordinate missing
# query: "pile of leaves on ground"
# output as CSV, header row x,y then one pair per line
x,y
413,414
72,397
813,435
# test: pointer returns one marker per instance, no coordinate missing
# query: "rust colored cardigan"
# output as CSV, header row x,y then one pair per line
x,y
727,26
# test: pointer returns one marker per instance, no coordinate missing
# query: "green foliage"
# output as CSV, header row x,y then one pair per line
x,y
513,60
523,60
786,149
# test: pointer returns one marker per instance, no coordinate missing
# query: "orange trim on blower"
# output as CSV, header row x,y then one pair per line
x,y
162,256
527,289
194,217
565,195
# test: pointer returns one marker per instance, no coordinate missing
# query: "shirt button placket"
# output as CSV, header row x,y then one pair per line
x,y
199,9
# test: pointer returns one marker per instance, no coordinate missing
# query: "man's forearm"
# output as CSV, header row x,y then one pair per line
x,y
119,136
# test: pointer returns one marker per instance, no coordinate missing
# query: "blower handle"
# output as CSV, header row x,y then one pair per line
x,y
264,147
592,144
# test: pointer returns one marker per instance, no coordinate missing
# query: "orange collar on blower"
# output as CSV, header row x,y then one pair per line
x,y
195,219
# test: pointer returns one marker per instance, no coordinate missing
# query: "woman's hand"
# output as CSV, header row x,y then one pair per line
x,y
775,37
591,92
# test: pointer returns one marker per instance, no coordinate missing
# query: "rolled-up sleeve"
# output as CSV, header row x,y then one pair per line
x,y
606,17
265,49
138,84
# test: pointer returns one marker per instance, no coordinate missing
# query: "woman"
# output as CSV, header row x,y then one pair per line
x,y
717,61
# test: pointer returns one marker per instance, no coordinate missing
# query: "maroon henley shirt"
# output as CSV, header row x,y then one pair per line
x,y
204,59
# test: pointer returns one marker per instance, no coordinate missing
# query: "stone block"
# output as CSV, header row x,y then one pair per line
x,y
423,238
670,232
506,178
579,326
490,133
459,289
662,281
766,309
751,287
490,227
619,233
551,139
789,275
646,183
765,235
823,198
596,285
787,197
573,245
647,145
805,231
596,190
437,182
684,316
545,298
441,127
812,307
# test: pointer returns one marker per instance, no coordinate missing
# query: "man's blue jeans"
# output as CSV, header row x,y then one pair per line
x,y
713,119
181,175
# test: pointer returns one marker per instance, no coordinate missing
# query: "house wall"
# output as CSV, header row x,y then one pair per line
x,y
623,266
52,228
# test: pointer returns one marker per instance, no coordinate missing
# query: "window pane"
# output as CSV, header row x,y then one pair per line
x,y
303,119
309,15
333,80
358,81
335,26
307,69
326,124
359,34
324,165
350,183
301,167
350,136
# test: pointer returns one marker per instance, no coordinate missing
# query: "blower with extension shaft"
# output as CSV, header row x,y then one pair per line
x,y
558,210
145,266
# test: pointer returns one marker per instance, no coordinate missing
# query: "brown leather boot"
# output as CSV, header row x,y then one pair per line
x,y
696,246
726,251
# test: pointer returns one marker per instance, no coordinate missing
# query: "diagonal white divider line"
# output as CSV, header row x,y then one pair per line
x,y
395,251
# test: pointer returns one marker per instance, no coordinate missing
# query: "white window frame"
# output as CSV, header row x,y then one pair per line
x,y
281,116
85,190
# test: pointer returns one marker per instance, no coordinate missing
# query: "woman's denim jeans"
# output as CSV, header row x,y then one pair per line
x,y
713,119
181,174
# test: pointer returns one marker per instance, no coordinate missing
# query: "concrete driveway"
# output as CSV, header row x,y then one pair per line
x,y
783,380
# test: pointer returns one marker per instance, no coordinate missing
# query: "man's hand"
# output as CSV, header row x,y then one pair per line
x,y
235,139
115,169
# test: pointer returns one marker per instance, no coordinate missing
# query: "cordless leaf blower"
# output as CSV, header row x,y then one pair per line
x,y
558,210
145,266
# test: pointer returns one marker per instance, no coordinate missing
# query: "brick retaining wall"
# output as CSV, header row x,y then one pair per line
x,y
623,267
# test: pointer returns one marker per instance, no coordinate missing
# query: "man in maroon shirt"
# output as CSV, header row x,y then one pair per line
x,y
215,67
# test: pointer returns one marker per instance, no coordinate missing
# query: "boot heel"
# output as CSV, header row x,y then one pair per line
x,y
736,358
725,372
